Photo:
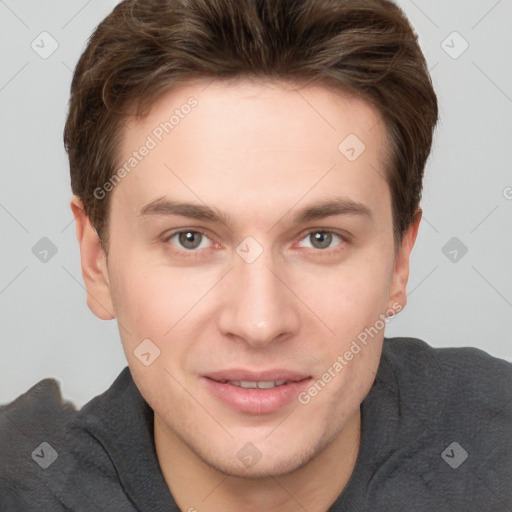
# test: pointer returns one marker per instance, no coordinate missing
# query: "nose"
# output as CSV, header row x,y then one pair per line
x,y
260,306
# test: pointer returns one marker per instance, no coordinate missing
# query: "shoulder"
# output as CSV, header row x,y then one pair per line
x,y
452,416
465,373
32,428
43,393
39,410
55,457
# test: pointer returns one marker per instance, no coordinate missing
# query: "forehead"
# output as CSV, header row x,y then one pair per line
x,y
253,106
254,143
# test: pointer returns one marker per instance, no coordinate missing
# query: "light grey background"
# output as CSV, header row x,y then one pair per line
x,y
46,329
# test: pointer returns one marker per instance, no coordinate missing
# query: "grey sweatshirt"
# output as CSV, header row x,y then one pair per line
x,y
436,435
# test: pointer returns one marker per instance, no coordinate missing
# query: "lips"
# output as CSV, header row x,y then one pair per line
x,y
251,376
256,392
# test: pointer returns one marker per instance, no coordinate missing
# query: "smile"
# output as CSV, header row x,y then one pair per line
x,y
256,385
255,395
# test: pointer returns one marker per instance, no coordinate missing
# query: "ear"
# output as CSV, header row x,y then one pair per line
x,y
94,264
398,291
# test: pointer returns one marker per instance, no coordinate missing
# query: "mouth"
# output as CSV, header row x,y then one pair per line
x,y
246,384
256,392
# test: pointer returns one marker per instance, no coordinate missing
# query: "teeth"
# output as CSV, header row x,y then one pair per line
x,y
257,385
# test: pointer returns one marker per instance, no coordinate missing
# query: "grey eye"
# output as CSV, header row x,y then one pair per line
x,y
189,239
320,239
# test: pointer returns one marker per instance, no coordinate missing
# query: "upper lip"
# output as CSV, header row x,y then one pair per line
x,y
237,375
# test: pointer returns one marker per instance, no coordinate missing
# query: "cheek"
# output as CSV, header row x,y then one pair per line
x,y
350,297
353,301
148,296
143,302
160,303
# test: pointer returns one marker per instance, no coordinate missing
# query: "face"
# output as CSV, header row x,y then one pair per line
x,y
281,268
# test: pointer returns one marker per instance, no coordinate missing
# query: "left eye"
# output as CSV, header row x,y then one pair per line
x,y
321,239
189,239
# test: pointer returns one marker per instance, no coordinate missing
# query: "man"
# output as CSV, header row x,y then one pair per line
x,y
246,179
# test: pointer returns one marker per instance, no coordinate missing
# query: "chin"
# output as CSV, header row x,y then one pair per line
x,y
265,461
260,469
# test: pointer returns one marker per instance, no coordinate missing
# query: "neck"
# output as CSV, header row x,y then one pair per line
x,y
197,487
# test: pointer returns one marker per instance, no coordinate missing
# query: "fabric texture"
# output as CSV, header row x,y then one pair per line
x,y
436,436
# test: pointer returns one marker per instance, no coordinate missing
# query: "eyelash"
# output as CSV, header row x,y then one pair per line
x,y
196,252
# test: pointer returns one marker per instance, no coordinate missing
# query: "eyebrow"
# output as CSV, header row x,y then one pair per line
x,y
315,211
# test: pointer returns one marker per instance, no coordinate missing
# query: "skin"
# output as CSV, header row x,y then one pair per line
x,y
259,152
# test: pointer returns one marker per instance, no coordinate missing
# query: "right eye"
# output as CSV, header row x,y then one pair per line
x,y
189,240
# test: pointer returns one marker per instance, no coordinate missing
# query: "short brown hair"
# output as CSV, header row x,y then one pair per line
x,y
144,47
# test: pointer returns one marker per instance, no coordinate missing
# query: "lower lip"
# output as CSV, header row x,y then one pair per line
x,y
256,401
